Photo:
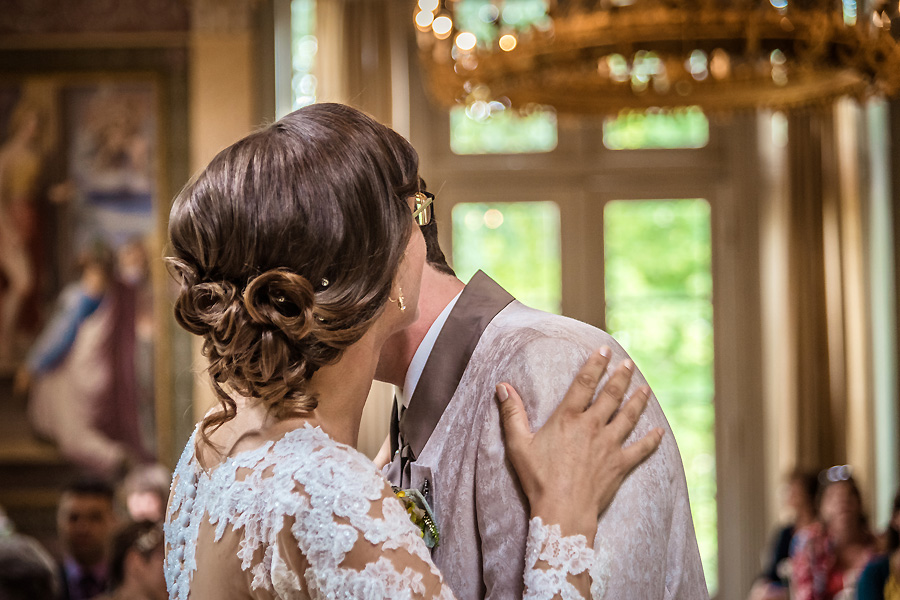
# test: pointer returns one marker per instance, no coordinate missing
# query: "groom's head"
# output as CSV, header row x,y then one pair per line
x,y
439,286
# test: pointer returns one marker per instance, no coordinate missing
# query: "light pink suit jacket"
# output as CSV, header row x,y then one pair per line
x,y
645,544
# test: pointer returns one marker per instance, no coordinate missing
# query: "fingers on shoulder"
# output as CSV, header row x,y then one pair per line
x,y
639,451
580,394
516,429
630,413
610,396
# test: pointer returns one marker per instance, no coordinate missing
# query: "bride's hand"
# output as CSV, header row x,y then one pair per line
x,y
571,468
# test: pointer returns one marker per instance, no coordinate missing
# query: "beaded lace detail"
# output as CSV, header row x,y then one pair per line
x,y
566,555
343,524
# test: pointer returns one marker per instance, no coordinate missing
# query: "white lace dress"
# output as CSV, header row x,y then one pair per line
x,y
307,517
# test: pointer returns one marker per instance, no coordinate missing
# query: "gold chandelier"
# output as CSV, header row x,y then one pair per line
x,y
600,56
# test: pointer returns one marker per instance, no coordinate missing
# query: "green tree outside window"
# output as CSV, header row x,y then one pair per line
x,y
659,307
516,243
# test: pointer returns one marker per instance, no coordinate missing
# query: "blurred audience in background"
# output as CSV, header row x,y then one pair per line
x,y
146,492
96,560
881,578
800,498
829,554
85,522
27,571
136,563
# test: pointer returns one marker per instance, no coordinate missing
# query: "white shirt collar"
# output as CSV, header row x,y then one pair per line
x,y
417,364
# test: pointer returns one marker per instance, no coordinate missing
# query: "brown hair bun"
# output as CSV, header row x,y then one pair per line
x,y
318,196
283,300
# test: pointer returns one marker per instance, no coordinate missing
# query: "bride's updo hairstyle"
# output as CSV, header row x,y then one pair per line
x,y
286,247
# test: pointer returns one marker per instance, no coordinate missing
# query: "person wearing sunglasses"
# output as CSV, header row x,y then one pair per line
x,y
445,442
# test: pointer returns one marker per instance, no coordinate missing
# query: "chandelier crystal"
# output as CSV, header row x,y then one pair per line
x,y
600,56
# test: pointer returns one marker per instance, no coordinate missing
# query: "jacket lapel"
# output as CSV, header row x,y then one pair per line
x,y
477,306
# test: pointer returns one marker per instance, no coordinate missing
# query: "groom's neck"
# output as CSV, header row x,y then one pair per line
x,y
438,290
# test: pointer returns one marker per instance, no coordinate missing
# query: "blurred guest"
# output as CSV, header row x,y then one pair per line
x,y
27,572
136,566
829,555
146,491
881,578
80,372
85,521
800,498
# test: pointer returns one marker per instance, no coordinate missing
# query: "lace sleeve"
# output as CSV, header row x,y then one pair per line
x,y
556,565
306,517
346,535
361,543
386,557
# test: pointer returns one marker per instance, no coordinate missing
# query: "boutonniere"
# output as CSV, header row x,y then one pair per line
x,y
420,514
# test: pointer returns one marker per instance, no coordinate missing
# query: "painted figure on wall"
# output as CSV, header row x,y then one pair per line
x,y
80,375
111,150
134,274
88,363
22,171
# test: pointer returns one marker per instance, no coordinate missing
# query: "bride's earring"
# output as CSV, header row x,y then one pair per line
x,y
399,299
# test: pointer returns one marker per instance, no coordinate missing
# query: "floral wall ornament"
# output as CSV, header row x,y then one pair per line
x,y
599,56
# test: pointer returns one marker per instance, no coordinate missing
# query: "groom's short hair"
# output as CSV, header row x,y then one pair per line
x,y
434,256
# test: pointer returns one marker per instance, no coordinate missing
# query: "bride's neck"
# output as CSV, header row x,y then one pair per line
x,y
342,389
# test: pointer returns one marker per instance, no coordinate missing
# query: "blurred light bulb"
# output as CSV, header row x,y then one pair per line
x,y
429,5
508,42
424,19
442,25
493,218
466,40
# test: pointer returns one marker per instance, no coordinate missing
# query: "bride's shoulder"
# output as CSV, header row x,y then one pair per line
x,y
301,467
322,465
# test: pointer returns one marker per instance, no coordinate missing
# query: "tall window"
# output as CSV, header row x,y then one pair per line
x,y
655,128
659,307
304,47
492,127
516,243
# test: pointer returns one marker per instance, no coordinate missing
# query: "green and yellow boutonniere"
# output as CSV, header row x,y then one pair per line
x,y
420,514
